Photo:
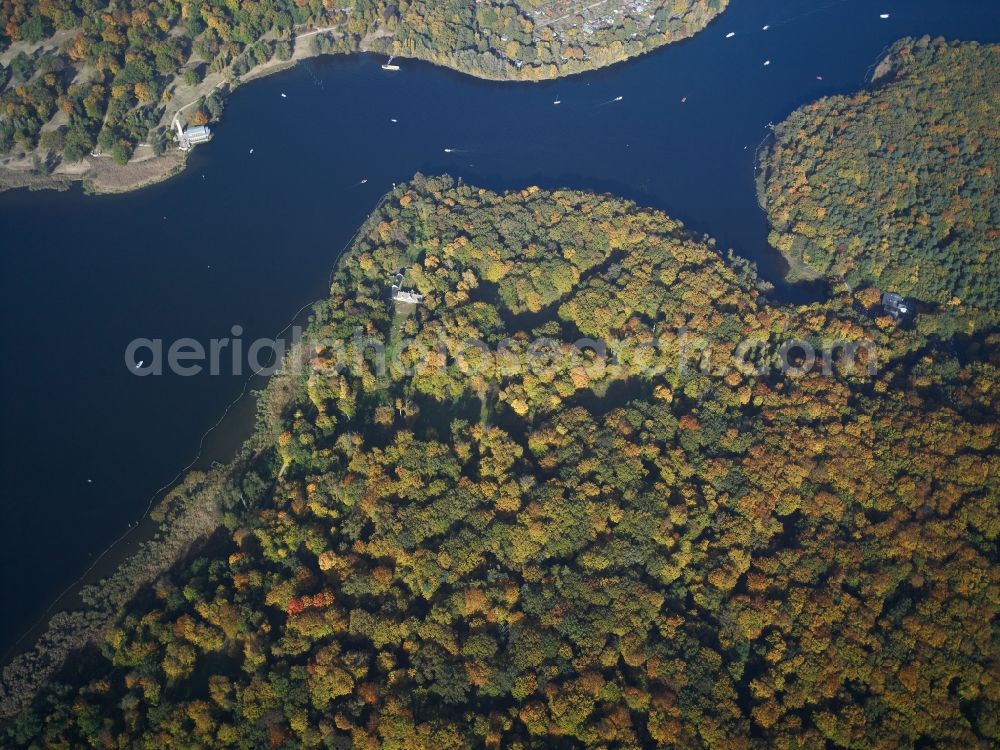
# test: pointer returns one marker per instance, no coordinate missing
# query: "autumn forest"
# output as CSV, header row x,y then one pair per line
x,y
896,186
549,469
610,551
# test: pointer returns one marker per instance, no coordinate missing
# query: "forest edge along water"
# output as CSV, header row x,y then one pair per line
x,y
246,238
144,81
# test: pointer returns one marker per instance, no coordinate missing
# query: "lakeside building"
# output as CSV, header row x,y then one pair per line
x,y
188,139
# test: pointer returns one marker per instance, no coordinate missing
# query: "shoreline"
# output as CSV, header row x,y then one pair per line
x,y
168,530
100,176
179,518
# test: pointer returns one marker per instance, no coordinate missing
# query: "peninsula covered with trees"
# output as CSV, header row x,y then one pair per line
x,y
896,186
685,533
88,76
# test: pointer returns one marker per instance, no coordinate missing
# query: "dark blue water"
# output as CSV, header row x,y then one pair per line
x,y
247,239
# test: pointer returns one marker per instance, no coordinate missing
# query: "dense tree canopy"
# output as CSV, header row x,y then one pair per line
x,y
670,545
535,39
896,186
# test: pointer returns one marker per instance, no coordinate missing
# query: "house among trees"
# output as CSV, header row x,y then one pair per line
x,y
399,295
895,304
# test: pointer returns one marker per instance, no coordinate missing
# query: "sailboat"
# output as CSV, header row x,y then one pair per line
x,y
389,66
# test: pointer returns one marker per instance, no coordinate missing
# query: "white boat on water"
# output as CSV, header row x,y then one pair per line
x,y
389,66
619,98
730,35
